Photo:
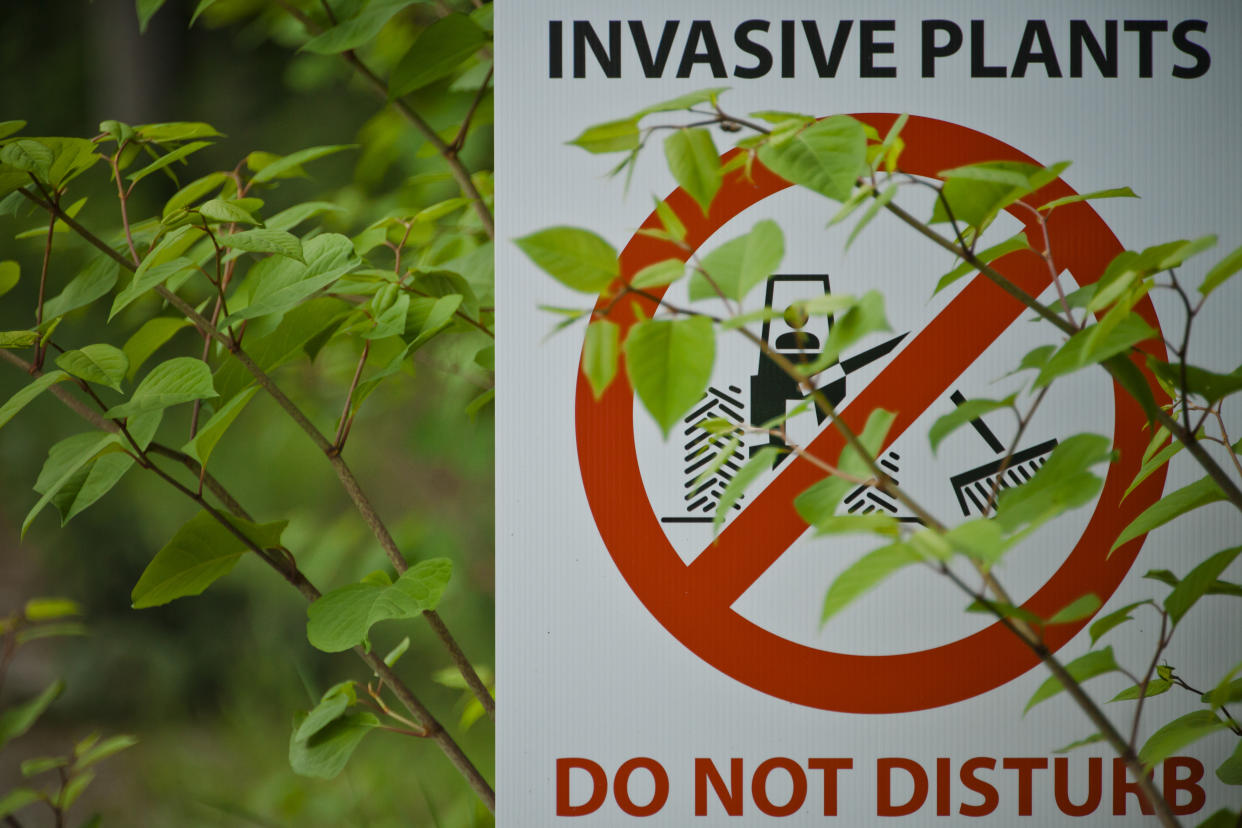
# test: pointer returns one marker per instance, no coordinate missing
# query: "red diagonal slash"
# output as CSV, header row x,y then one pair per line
x,y
694,602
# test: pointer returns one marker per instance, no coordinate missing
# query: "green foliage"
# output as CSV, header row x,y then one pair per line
x,y
826,156
1094,663
578,259
343,618
735,267
694,163
669,363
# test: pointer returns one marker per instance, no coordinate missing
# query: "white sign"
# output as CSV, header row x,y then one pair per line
x,y
656,668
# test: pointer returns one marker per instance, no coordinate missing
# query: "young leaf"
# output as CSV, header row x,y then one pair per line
x,y
331,707
963,414
1196,584
178,380
1154,688
865,574
205,441
1115,192
291,164
146,278
50,609
108,747
18,340
265,240
1179,733
1090,740
226,211
100,363
600,353
1082,607
1230,772
99,277
202,551
669,363
877,204
15,721
683,101
1105,623
827,156
760,462
16,799
282,283
1186,499
613,136
165,160
739,264
1064,482
1094,663
10,272
661,273
91,446
357,30
148,339
325,754
436,52
578,259
817,504
695,163
1017,242
343,617
1221,272
1209,385
1086,348
28,155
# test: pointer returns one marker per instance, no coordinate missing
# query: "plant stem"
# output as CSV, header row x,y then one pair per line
x,y
343,472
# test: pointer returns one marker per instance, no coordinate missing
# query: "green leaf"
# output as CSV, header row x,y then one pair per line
x,y
1209,385
1154,688
739,264
101,364
1094,663
99,277
16,799
877,204
669,363
683,101
1196,584
293,216
68,466
865,574
1179,733
50,609
148,339
10,272
578,259
661,273
613,136
1114,619
325,754
291,165
1017,242
865,316
8,128
205,441
331,707
282,283
977,192
1154,462
1115,192
226,211
817,504
193,191
396,652
1222,271
1090,740
42,764
165,160
108,747
146,10
27,393
73,789
600,353
980,539
357,30
15,721
175,381
1087,348
1062,483
1230,772
695,163
202,551
963,414
302,326
146,278
1004,610
1164,576
342,618
827,156
28,155
50,631
176,131
17,340
874,524
758,463
265,240
1082,607
1186,499
436,52
73,491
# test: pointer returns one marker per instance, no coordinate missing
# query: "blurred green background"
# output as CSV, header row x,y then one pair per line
x,y
209,684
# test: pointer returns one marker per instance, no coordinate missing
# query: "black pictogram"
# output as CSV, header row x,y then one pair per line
x,y
701,447
974,487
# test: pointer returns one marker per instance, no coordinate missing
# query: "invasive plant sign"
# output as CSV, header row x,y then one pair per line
x,y
859,457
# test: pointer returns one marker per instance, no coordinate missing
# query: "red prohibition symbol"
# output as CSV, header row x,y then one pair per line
x,y
693,601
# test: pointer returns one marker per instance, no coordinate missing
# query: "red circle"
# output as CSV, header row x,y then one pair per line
x,y
692,601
